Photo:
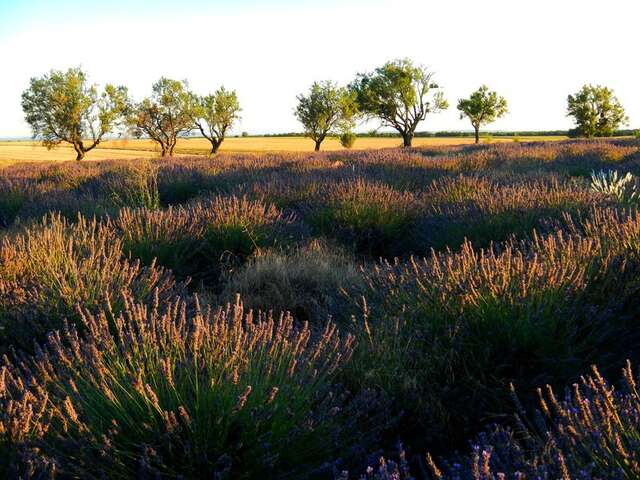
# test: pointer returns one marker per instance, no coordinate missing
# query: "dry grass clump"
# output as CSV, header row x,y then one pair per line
x,y
306,282
49,269
155,391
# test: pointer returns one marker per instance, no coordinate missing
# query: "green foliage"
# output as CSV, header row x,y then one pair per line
x,y
164,116
11,201
596,110
63,107
482,107
637,134
326,108
372,218
215,114
347,139
400,95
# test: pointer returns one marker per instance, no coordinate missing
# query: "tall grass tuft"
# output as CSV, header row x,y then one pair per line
x,y
621,187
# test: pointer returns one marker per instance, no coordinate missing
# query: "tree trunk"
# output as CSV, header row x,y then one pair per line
x,y
79,151
215,146
477,129
318,142
407,138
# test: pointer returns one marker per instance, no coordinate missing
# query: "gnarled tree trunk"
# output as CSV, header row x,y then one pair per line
x,y
318,143
477,129
407,139
78,147
215,146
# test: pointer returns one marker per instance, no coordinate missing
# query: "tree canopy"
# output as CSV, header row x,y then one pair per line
x,y
64,107
400,94
482,107
165,115
325,109
215,114
596,110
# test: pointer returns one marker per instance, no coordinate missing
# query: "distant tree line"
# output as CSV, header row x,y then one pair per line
x,y
400,95
63,107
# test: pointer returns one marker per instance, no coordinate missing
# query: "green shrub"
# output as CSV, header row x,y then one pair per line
x,y
484,212
591,432
347,139
131,184
11,201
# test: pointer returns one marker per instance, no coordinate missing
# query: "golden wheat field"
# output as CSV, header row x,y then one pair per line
x,y
30,151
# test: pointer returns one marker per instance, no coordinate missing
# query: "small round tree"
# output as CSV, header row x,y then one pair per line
x,y
215,114
347,139
596,110
325,109
64,107
482,107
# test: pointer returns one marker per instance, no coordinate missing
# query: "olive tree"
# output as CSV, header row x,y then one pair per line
x,y
596,111
215,114
64,107
482,107
325,109
400,94
165,115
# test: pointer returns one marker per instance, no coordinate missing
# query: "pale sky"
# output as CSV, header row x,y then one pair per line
x,y
533,53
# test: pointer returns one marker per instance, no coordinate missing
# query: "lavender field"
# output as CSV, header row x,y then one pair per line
x,y
441,312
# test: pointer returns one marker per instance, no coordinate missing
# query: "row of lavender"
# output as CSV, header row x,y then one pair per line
x,y
128,352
